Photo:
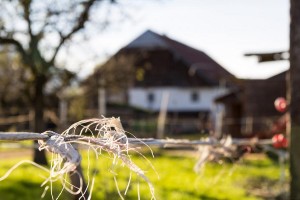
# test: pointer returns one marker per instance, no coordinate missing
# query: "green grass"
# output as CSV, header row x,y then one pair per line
x,y
177,179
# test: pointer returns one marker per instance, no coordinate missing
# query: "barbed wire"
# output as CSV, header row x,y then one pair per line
x,y
108,134
20,136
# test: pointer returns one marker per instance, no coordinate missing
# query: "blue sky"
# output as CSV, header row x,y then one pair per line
x,y
224,29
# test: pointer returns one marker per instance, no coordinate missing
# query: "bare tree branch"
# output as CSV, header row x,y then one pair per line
x,y
82,19
17,44
26,6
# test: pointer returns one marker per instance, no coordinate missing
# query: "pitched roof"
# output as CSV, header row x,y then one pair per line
x,y
196,60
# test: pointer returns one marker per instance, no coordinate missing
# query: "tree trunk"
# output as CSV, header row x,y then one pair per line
x,y
294,99
39,126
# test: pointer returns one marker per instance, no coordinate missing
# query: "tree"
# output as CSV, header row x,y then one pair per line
x,y
14,93
294,99
38,30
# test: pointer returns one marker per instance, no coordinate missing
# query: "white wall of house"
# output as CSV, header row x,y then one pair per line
x,y
180,99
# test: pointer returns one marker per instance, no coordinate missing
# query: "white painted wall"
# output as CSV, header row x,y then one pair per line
x,y
179,98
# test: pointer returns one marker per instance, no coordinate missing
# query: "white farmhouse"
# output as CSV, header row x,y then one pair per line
x,y
153,66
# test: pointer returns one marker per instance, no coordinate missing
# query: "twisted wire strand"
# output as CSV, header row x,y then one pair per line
x,y
19,136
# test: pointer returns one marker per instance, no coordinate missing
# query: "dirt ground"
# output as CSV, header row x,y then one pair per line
x,y
15,153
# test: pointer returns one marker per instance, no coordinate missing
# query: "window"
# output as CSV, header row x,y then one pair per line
x,y
195,96
150,97
139,74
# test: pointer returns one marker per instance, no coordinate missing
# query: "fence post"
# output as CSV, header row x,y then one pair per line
x,y
219,124
161,121
101,99
63,112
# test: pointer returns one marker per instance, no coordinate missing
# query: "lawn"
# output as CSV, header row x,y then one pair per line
x,y
177,180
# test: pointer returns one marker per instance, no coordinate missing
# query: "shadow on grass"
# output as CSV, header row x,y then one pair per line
x,y
25,190
267,188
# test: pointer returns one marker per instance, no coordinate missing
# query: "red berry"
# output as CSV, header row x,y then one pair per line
x,y
280,104
279,141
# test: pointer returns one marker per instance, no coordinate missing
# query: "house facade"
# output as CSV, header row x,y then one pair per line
x,y
154,67
178,99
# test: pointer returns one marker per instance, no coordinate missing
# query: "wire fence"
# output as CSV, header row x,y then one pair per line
x,y
20,136
107,134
